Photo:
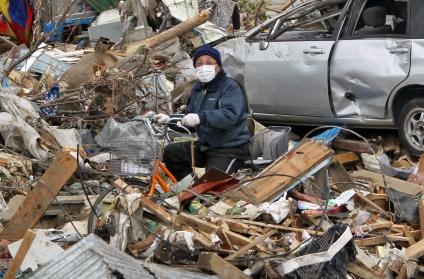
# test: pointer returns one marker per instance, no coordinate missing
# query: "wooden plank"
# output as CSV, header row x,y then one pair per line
x,y
362,272
415,251
165,216
296,163
378,240
373,227
204,241
346,158
279,227
225,270
123,186
373,205
20,255
249,246
238,227
354,146
394,183
40,198
206,227
371,241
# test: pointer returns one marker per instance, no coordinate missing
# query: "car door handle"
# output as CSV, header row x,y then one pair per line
x,y
399,50
314,50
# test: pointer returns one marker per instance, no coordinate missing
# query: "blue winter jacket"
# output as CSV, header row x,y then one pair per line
x,y
221,106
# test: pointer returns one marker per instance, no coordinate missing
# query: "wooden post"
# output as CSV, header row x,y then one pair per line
x,y
249,246
20,255
169,34
40,198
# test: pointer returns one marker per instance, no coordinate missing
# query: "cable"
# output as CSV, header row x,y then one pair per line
x,y
364,140
82,184
61,207
354,133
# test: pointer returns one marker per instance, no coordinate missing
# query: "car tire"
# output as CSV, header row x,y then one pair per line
x,y
411,126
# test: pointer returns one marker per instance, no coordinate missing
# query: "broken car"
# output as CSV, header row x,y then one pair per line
x,y
344,62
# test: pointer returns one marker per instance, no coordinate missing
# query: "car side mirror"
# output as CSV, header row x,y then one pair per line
x,y
263,45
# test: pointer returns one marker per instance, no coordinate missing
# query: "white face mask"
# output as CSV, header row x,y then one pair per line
x,y
206,73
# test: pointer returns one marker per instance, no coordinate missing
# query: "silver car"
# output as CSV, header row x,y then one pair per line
x,y
358,63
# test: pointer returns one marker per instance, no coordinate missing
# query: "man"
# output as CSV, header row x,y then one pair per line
x,y
217,109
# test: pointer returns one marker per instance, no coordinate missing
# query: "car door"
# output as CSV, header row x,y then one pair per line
x,y
370,61
286,70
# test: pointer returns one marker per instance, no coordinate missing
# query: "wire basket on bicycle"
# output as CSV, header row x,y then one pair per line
x,y
133,158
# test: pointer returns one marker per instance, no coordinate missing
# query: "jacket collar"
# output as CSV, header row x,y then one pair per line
x,y
213,84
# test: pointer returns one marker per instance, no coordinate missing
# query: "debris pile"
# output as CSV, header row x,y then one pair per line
x,y
332,204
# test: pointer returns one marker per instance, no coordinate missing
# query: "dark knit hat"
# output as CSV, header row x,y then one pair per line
x,y
207,50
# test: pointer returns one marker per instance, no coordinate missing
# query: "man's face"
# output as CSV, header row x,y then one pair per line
x,y
207,60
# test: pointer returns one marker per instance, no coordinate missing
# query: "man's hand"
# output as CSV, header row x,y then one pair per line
x,y
161,118
191,120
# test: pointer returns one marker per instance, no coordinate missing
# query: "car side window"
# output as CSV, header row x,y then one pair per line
x,y
310,23
381,19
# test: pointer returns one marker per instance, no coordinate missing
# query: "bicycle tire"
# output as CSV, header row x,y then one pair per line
x,y
92,217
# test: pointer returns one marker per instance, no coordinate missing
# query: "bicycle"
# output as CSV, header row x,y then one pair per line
x,y
138,159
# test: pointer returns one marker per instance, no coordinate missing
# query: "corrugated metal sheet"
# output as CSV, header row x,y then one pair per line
x,y
93,258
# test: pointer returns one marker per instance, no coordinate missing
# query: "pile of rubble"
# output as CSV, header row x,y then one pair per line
x,y
331,205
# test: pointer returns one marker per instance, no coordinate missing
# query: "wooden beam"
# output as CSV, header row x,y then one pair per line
x,y
225,270
354,146
394,183
279,227
346,157
203,239
249,246
238,227
373,205
123,186
169,34
280,175
377,240
204,226
371,241
40,198
362,272
165,216
20,255
373,227
415,251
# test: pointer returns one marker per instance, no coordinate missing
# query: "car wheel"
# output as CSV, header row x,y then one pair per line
x,y
411,126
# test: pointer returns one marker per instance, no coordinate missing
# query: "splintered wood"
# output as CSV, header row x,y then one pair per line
x,y
284,171
42,195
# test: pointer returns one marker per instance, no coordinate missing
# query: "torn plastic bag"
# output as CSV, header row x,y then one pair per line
x,y
113,131
18,135
406,207
18,107
67,137
154,90
325,257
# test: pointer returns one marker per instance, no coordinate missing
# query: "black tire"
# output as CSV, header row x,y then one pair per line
x,y
92,218
411,126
